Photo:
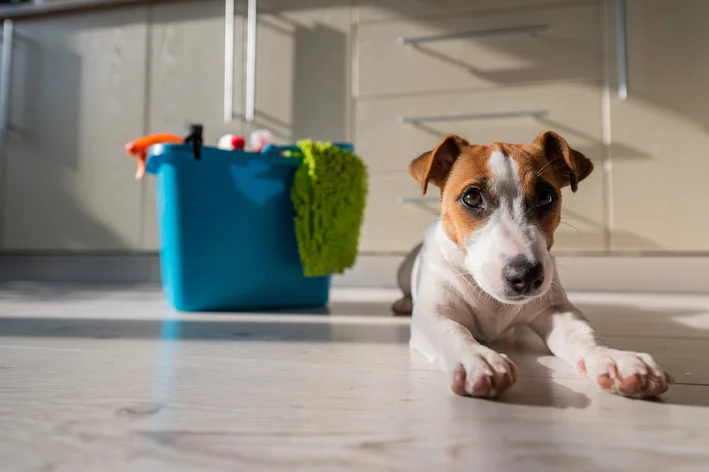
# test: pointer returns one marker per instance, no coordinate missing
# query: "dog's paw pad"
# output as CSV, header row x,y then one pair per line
x,y
483,373
482,387
630,374
403,306
458,384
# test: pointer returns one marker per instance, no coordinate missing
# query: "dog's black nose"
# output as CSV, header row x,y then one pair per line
x,y
523,276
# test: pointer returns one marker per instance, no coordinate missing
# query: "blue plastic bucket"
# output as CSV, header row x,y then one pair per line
x,y
227,237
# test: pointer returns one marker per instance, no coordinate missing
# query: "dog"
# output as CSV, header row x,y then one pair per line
x,y
485,268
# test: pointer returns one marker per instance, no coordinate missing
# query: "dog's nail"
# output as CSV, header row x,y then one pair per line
x,y
458,377
501,369
657,372
670,379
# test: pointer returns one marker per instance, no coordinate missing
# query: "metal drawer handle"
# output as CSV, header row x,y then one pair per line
x,y
622,50
5,77
473,116
418,200
531,30
229,62
250,97
250,66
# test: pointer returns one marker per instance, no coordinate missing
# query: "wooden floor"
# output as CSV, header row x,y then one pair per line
x,y
111,381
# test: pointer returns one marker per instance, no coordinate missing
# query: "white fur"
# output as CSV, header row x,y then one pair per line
x,y
458,303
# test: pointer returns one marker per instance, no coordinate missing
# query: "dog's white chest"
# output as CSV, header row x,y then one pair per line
x,y
489,320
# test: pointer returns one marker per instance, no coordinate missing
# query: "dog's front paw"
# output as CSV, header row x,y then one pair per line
x,y
482,372
630,374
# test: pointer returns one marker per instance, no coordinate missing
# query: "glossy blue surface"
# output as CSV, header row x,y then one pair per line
x,y
227,239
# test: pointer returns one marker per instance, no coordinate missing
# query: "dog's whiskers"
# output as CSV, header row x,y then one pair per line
x,y
573,227
539,172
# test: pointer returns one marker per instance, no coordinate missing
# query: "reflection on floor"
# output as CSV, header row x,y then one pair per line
x,y
98,379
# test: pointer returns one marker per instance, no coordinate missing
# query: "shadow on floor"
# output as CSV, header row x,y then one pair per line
x,y
240,328
677,338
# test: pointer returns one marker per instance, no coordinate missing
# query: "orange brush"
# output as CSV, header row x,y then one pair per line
x,y
139,148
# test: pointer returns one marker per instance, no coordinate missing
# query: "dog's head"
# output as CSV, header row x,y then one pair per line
x,y
501,203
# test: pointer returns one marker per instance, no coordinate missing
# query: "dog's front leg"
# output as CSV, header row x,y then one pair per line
x,y
570,337
471,368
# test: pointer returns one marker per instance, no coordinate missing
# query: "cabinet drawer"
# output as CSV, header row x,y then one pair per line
x,y
513,115
388,146
391,225
388,9
497,51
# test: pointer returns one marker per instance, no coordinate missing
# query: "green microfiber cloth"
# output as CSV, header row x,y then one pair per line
x,y
329,195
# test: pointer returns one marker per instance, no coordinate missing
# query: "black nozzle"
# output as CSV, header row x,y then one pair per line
x,y
194,137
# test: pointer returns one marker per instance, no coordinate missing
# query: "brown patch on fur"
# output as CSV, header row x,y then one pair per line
x,y
569,166
470,169
453,167
434,166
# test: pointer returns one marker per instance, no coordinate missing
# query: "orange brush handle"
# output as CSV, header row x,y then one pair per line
x,y
139,148
141,145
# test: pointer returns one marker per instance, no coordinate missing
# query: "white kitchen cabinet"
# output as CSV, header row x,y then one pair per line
x,y
77,96
660,132
303,69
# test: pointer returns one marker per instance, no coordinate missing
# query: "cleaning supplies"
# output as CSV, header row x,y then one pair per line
x,y
231,142
329,195
227,230
138,149
259,139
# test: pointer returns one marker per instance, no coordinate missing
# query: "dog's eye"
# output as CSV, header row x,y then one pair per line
x,y
545,198
473,198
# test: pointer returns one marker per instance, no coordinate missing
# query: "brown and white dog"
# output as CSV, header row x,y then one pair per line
x,y
485,267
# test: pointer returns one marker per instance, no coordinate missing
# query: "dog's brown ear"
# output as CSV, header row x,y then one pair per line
x,y
433,166
570,165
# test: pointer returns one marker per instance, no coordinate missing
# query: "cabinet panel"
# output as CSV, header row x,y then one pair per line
x,y
303,69
660,137
390,225
77,97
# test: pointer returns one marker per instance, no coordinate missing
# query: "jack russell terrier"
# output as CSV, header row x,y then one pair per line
x,y
485,267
